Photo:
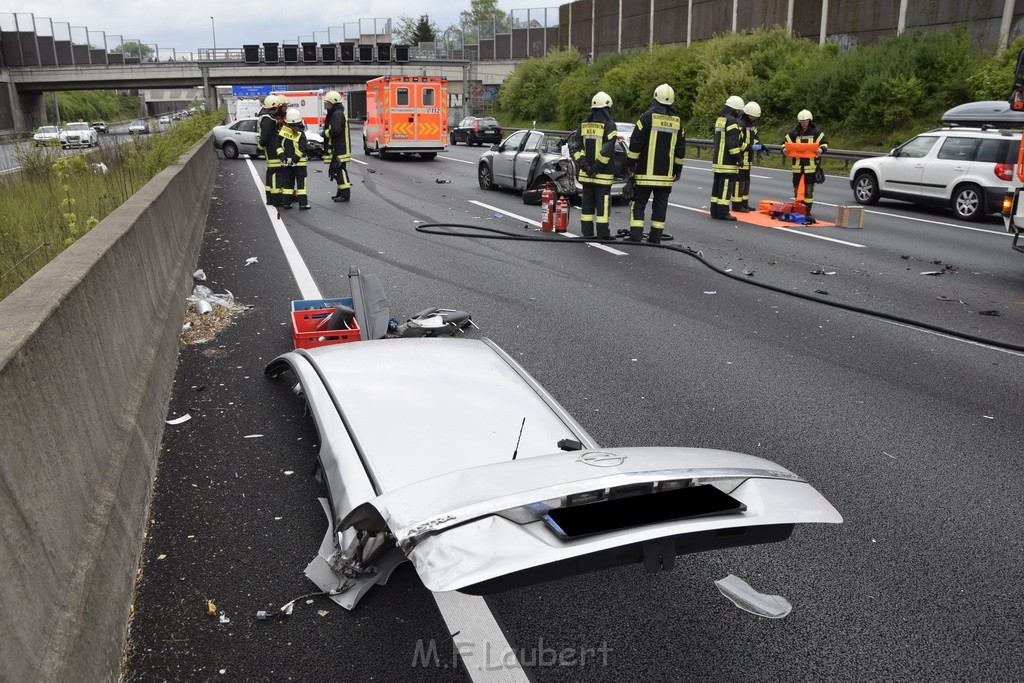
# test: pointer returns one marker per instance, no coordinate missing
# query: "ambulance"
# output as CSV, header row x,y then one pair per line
x,y
406,114
310,104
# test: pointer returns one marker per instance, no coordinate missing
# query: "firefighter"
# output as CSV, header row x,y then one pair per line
x,y
591,148
267,145
805,131
752,144
338,145
657,149
292,155
727,149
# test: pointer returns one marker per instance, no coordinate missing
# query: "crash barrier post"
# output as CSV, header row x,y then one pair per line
x,y
88,349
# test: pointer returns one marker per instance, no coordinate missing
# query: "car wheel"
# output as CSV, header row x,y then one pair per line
x,y
428,155
382,152
968,202
366,148
230,150
451,139
486,179
865,188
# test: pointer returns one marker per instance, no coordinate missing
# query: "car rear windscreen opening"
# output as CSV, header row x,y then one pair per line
x,y
625,513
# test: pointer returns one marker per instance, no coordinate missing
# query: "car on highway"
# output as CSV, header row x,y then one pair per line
x,y
164,120
241,137
530,159
79,134
46,135
476,130
966,169
481,504
625,130
100,126
138,126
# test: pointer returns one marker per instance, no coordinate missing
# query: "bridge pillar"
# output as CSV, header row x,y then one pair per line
x,y
19,112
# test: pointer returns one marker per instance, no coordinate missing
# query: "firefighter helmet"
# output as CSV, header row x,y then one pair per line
x,y
293,116
734,102
270,101
665,94
752,109
804,115
333,97
601,100
282,101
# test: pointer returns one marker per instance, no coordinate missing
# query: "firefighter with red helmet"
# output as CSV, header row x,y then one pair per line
x,y
657,149
806,169
292,155
267,144
726,149
592,147
337,145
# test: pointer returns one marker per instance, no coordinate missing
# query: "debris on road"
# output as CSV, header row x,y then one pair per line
x,y
180,420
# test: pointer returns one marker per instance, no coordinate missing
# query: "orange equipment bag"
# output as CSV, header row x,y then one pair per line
x,y
801,150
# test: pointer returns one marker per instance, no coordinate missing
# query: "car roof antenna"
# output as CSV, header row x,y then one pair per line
x,y
516,451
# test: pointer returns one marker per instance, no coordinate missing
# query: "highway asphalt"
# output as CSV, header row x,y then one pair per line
x,y
913,436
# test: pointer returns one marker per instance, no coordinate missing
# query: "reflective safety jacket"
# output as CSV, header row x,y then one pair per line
x,y
658,145
750,138
727,146
812,134
337,144
593,146
268,143
292,146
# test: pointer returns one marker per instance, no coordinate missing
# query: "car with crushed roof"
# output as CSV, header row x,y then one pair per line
x,y
447,453
528,160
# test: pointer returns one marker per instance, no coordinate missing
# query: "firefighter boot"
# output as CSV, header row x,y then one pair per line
x,y
587,228
636,235
740,207
654,237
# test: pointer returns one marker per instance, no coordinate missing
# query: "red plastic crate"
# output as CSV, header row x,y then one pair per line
x,y
307,315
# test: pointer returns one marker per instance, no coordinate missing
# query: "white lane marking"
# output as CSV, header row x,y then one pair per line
x,y
957,339
360,161
303,278
998,233
461,161
481,642
503,212
482,645
776,227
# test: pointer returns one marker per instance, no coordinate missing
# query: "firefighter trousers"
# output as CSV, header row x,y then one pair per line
x,y
741,188
292,182
808,188
341,177
721,185
659,208
595,203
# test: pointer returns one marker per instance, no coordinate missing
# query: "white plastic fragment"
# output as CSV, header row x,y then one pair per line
x,y
252,436
180,420
747,599
200,275
251,260
202,307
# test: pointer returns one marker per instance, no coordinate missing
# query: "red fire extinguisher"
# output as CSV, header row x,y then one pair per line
x,y
547,206
562,215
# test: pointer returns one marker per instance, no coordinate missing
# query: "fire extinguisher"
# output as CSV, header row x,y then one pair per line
x,y
562,215
547,206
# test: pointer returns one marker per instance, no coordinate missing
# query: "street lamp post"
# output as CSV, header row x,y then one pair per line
x,y
213,27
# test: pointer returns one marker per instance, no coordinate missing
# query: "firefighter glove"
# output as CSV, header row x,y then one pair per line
x,y
584,165
676,175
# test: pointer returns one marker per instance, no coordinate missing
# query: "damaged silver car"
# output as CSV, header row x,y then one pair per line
x,y
447,453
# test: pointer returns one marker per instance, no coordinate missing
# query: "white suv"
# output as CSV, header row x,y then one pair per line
x,y
966,169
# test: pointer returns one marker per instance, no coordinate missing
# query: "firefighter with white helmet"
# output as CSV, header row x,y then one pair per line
x,y
592,147
657,149
726,150
806,168
337,145
752,144
267,144
292,154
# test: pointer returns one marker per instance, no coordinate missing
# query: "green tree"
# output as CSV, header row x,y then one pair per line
x,y
133,49
415,31
484,20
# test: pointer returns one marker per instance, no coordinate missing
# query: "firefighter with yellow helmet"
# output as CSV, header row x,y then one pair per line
x,y
752,145
657,149
267,144
337,145
292,155
592,147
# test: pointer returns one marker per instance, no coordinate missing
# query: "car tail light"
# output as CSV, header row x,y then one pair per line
x,y
1004,171
1007,204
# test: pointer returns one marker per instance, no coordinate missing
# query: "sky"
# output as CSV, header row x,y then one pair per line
x,y
187,26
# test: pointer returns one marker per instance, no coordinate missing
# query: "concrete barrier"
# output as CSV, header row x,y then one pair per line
x,y
88,348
